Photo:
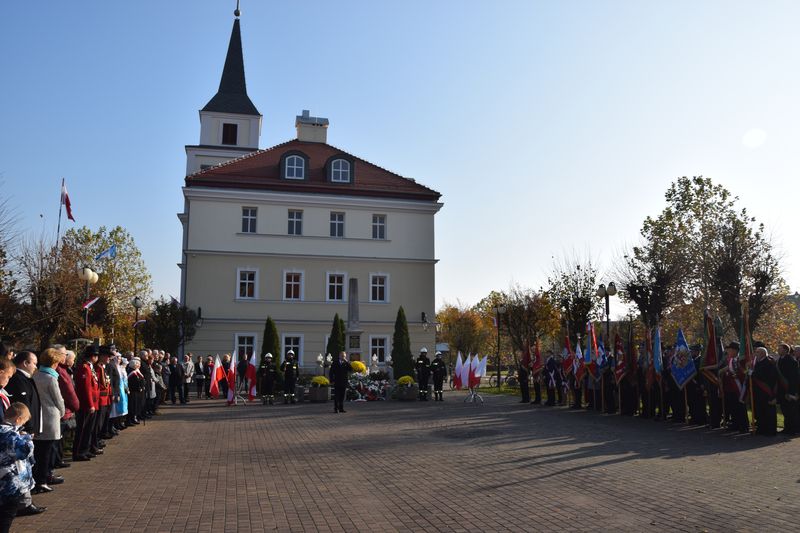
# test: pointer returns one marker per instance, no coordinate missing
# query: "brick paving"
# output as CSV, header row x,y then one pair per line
x,y
394,466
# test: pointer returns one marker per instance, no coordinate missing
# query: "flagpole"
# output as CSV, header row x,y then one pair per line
x,y
60,207
686,404
752,405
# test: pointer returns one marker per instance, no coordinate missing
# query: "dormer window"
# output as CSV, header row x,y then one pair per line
x,y
230,134
340,171
295,168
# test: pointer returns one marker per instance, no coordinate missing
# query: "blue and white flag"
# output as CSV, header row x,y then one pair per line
x,y
657,364
682,364
602,356
111,253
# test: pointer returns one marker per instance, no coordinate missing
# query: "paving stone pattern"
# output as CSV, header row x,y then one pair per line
x,y
408,466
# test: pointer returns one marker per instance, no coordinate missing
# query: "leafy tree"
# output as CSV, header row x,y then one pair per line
x,y
529,315
463,328
168,326
271,343
403,364
336,340
485,307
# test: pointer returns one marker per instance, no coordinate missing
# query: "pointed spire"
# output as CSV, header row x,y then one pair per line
x,y
232,94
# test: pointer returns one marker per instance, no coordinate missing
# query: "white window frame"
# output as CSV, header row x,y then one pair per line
x,y
302,284
290,220
290,162
375,224
331,222
253,218
340,175
298,354
387,350
236,344
327,286
239,270
386,291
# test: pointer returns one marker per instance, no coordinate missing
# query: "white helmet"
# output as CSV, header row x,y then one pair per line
x,y
268,356
423,350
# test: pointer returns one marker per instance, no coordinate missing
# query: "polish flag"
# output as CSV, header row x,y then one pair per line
x,y
251,378
457,372
538,364
88,303
217,374
65,200
232,379
482,367
465,372
474,373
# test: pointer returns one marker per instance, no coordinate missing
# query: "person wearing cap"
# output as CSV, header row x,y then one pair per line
x,y
734,386
112,375
338,374
788,385
269,373
290,371
423,366
88,391
765,392
103,412
439,372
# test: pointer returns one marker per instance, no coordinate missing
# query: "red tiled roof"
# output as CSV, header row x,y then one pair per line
x,y
261,171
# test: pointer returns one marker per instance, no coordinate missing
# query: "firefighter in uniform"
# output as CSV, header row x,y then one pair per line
x,y
269,372
290,371
439,371
423,373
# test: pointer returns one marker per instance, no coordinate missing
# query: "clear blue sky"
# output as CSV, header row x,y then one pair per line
x,y
548,126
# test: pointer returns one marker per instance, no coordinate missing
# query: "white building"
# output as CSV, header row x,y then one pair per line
x,y
282,231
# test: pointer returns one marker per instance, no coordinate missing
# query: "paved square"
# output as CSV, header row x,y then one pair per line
x,y
392,466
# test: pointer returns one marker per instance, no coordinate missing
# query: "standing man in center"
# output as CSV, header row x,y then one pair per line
x,y
439,371
338,376
88,391
423,373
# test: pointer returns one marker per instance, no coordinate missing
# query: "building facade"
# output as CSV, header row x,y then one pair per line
x,y
299,232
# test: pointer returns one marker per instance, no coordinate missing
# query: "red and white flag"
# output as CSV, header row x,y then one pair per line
x,y
251,378
88,303
474,372
465,372
232,379
65,200
457,373
217,374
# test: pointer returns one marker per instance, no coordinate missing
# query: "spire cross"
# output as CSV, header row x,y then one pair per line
x,y
236,12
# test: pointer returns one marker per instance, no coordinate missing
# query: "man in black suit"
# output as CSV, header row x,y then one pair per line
x,y
788,385
21,388
176,376
338,375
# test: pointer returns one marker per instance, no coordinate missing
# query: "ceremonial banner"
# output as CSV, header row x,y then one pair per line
x,y
111,253
619,354
65,201
682,364
537,365
465,372
568,357
711,357
657,361
745,343
578,366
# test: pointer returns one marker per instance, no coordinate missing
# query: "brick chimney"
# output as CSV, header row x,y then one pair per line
x,y
311,129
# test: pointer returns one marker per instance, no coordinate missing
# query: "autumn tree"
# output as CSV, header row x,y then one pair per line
x,y
530,315
168,326
573,289
463,328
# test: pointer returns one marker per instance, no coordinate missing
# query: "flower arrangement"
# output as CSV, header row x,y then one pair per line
x,y
358,367
363,388
320,381
405,381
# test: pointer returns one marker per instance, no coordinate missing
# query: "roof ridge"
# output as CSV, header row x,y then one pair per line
x,y
237,159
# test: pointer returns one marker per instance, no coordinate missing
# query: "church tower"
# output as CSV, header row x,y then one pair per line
x,y
230,125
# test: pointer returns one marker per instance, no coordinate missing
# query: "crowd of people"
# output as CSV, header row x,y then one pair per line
x,y
55,410
732,394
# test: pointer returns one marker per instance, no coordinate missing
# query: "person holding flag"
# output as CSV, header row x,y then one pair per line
x,y
578,371
734,385
552,377
537,368
524,375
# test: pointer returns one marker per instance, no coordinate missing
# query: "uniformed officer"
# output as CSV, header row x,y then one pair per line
x,y
439,371
423,373
734,385
551,368
290,371
269,373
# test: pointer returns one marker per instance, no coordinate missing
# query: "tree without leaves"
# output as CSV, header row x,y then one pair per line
x,y
573,288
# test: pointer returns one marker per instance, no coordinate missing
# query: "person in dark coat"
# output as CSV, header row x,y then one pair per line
x,y
734,385
439,372
290,371
423,367
136,386
269,374
788,389
21,388
765,389
338,374
112,375
176,376
551,368
201,374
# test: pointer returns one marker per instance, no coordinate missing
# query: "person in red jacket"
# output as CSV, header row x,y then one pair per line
x,y
71,402
88,391
103,412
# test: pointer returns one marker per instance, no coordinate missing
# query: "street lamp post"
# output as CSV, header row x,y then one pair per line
x,y
137,304
499,310
90,277
606,292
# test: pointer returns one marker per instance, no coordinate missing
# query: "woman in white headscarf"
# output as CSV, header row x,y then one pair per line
x,y
119,409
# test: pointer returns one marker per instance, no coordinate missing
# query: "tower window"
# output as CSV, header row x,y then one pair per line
x,y
229,133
